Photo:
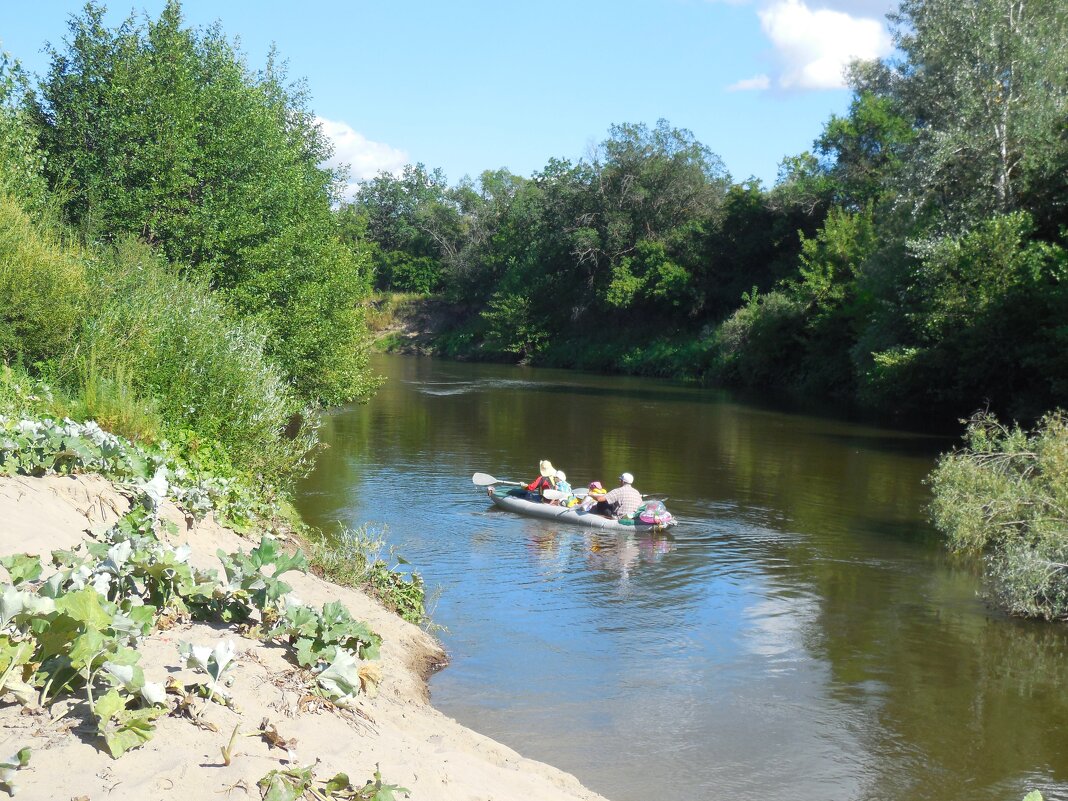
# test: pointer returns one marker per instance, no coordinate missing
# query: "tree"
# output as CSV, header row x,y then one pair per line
x,y
984,83
21,161
863,152
160,131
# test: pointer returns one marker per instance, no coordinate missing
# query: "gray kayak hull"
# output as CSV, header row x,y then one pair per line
x,y
559,514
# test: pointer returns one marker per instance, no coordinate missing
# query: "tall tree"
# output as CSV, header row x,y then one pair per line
x,y
162,131
985,84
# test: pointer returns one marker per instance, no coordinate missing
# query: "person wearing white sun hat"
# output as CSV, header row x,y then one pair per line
x,y
564,487
545,480
624,500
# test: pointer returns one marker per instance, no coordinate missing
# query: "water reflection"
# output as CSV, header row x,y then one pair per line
x,y
801,636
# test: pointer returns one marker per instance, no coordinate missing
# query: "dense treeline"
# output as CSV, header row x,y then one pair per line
x,y
171,263
914,262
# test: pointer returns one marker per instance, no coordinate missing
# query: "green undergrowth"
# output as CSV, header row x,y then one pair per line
x,y
198,474
362,558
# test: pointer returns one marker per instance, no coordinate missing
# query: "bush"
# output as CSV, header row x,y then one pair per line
x,y
1005,494
168,339
42,288
759,345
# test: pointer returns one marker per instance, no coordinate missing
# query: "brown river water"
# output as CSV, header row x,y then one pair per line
x,y
802,636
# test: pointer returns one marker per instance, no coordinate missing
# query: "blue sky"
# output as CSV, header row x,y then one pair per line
x,y
469,86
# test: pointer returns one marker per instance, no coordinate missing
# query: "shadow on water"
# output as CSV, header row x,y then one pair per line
x,y
802,637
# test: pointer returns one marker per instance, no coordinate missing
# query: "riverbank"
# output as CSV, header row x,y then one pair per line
x,y
412,744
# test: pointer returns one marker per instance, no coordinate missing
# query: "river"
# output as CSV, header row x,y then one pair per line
x,y
802,636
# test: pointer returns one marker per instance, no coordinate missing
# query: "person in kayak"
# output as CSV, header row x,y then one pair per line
x,y
624,500
562,485
547,479
595,500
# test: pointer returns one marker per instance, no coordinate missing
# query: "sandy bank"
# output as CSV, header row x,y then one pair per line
x,y
414,744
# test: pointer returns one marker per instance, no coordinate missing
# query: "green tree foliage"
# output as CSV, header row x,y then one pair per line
x,y
865,150
987,321
415,224
159,131
984,85
911,262
21,162
1004,495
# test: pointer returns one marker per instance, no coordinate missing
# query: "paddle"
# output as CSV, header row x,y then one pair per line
x,y
484,480
557,495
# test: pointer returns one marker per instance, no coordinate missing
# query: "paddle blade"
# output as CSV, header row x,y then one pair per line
x,y
483,479
553,495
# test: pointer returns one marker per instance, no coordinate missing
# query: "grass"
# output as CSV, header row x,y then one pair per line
x,y
361,558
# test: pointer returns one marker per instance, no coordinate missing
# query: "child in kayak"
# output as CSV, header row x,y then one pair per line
x,y
564,487
595,500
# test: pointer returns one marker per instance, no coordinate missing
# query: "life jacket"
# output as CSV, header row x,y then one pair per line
x,y
539,484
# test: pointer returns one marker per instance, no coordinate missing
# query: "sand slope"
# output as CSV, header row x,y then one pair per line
x,y
414,745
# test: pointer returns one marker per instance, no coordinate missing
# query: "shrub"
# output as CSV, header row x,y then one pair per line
x,y
158,336
42,288
1005,494
758,345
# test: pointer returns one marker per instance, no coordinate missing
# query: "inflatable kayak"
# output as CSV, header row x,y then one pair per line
x,y
517,501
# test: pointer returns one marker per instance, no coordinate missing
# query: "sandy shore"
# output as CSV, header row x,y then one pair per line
x,y
414,744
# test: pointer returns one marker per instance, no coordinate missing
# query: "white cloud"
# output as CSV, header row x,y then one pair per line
x,y
756,83
365,158
814,46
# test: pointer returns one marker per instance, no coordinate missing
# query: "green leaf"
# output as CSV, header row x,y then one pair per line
x,y
341,782
342,678
22,567
306,653
108,705
13,653
122,728
86,648
17,605
268,553
286,785
85,606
